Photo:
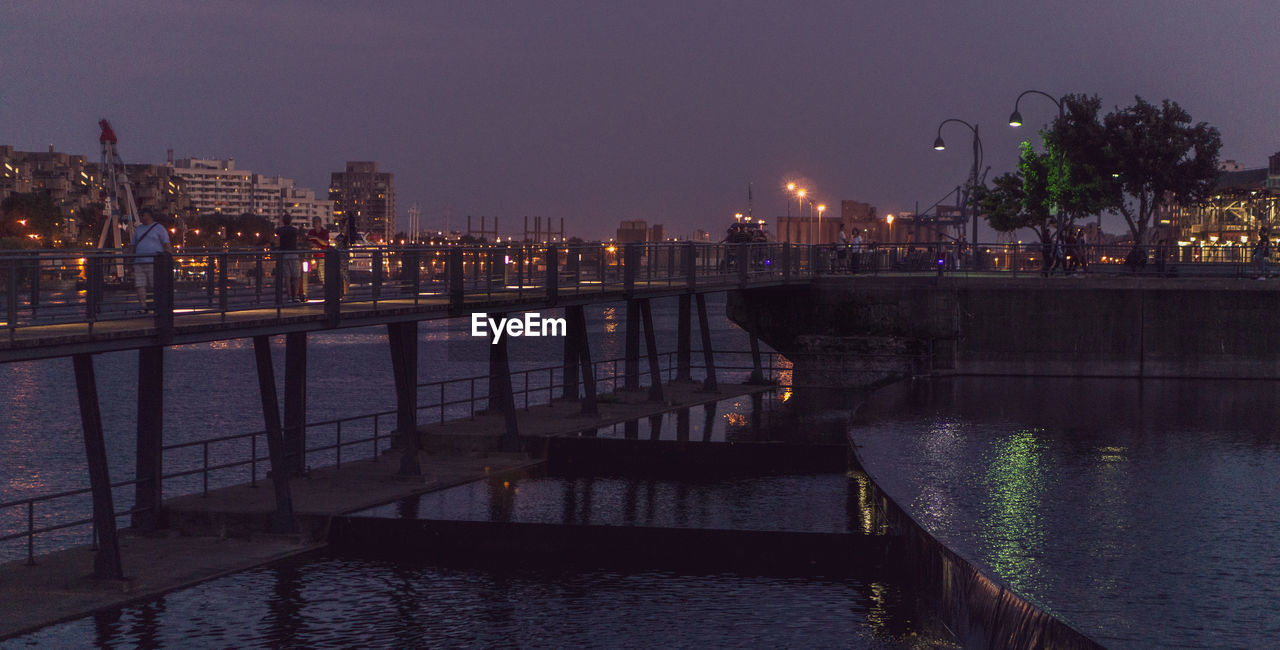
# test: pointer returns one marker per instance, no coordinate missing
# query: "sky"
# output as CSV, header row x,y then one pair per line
x,y
600,111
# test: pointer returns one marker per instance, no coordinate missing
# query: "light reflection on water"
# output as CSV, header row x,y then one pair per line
x,y
1144,513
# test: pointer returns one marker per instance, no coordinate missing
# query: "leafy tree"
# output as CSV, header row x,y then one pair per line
x,y
1160,156
1020,199
1141,157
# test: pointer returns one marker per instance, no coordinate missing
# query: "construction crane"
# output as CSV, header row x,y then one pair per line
x,y
118,203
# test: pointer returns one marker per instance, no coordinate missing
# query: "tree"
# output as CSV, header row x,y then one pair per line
x,y
1020,199
1139,158
1160,156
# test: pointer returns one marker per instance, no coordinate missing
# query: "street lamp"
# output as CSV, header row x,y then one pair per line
x,y
791,187
889,220
821,207
800,201
1015,120
939,145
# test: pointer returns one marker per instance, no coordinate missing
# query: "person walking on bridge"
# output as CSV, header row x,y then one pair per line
x,y
148,238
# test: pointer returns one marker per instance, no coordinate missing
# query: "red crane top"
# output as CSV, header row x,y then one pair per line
x,y
107,134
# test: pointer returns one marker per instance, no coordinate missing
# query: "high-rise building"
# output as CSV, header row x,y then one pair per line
x,y
366,197
217,187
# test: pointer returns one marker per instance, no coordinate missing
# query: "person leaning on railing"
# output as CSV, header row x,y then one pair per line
x,y
148,238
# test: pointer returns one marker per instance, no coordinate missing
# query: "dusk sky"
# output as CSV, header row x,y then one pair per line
x,y
603,111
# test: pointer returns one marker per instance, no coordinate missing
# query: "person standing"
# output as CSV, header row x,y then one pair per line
x,y
855,252
148,238
317,240
289,265
842,249
1262,254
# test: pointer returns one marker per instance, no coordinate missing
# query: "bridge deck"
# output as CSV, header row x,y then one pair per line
x,y
37,341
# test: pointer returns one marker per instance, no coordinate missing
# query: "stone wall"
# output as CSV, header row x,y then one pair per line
x,y
1090,327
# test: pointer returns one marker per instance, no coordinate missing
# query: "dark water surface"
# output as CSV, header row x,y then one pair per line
x,y
1147,514
340,602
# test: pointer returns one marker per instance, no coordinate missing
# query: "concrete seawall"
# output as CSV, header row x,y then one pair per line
x,y
881,328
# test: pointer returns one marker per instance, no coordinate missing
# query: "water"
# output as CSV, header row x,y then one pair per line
x,y
327,601
1144,513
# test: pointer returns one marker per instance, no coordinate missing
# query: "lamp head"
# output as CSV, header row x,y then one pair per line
x,y
939,144
1015,119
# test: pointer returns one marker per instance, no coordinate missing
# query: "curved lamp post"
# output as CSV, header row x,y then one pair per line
x,y
939,145
1015,120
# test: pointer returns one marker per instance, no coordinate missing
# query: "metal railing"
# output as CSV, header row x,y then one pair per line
x,y
324,441
88,288
82,290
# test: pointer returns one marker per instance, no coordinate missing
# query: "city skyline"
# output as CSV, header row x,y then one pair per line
x,y
597,114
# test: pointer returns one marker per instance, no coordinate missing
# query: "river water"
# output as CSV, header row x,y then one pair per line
x,y
1145,513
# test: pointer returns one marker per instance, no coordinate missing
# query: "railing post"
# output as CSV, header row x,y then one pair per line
x,y
12,295
553,273
786,262
691,265
257,284
163,270
741,254
630,260
457,285
93,289
333,285
409,272
377,274
35,282
209,279
223,285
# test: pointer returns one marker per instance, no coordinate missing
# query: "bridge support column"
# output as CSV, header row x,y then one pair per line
x,y
631,363
581,355
570,369
501,393
708,420
403,340
149,490
682,425
708,357
282,518
106,560
684,332
651,348
295,401
757,367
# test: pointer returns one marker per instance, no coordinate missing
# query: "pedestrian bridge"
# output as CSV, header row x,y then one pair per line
x,y
58,303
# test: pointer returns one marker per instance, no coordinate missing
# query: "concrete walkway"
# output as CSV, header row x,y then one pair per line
x,y
213,536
